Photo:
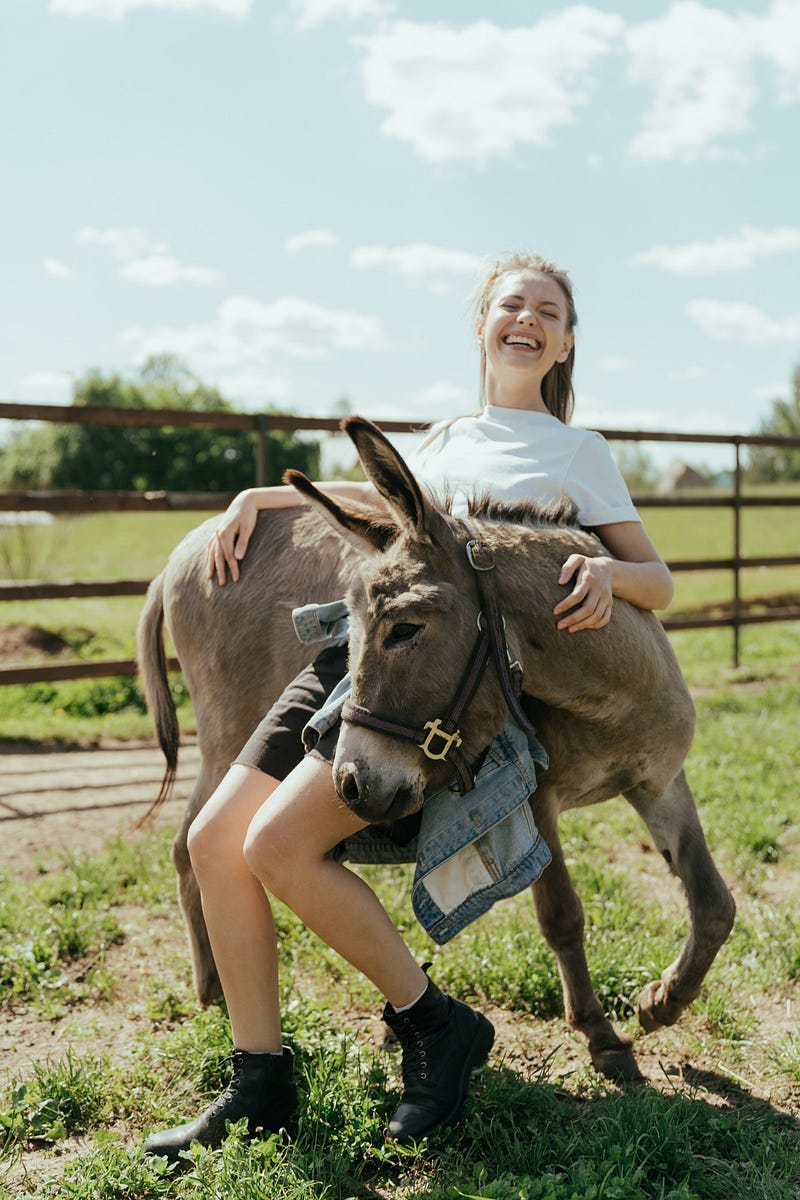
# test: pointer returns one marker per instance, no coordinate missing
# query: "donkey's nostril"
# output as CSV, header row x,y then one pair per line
x,y
349,789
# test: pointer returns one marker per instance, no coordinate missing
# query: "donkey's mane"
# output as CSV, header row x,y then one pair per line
x,y
534,513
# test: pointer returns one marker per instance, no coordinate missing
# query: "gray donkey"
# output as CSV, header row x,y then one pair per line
x,y
610,706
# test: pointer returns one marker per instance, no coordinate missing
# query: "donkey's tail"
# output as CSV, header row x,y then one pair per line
x,y
152,661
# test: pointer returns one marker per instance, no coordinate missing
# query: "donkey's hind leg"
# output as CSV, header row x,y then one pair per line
x,y
206,980
560,915
675,828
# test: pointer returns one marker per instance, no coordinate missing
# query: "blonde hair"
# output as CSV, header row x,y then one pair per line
x,y
558,392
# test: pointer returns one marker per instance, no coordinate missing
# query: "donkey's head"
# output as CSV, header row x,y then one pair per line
x,y
413,611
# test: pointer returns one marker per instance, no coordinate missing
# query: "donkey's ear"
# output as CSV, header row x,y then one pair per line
x,y
362,527
388,472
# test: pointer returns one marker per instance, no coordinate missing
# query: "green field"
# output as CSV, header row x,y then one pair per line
x,y
95,975
91,955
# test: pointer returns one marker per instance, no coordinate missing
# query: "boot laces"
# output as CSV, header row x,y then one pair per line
x,y
232,1090
415,1061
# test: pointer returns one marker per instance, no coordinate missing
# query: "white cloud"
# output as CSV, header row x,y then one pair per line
x,y
591,412
311,13
123,243
722,253
481,91
732,321
162,270
144,260
246,334
700,63
778,37
419,264
115,10
57,268
615,362
252,389
439,400
310,239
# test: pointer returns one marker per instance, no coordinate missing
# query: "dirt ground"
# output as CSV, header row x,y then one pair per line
x,y
75,800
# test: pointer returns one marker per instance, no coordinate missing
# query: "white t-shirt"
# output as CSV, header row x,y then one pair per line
x,y
515,454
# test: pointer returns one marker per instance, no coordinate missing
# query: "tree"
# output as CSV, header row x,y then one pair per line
x,y
105,458
769,463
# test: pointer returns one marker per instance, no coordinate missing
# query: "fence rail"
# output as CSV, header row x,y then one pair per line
x,y
260,424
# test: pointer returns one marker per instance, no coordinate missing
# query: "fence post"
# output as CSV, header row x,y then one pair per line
x,y
262,457
737,538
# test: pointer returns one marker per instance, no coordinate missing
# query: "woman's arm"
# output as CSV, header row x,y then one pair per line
x,y
637,573
228,544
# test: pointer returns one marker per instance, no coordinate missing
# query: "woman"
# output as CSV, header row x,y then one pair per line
x,y
275,818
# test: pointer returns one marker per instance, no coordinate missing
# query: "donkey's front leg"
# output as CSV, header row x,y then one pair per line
x,y
676,831
560,915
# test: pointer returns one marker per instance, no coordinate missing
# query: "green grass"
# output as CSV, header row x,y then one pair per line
x,y
523,1141
550,1134
96,545
55,931
704,534
84,710
533,1139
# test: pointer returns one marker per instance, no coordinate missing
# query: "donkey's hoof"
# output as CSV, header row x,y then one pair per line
x,y
617,1063
655,1010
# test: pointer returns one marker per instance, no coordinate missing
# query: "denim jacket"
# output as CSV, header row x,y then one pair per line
x,y
470,851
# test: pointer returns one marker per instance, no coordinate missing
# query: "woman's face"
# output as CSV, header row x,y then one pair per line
x,y
525,326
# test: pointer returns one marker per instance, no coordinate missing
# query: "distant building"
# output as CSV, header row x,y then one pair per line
x,y
678,477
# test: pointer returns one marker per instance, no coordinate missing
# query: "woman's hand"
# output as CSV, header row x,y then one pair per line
x,y
228,544
591,593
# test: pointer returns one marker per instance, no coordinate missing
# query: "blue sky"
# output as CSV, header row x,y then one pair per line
x,y
297,196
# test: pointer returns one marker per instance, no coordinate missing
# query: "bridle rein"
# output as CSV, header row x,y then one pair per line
x,y
491,641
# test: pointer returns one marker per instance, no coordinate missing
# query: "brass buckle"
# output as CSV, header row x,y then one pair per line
x,y
451,739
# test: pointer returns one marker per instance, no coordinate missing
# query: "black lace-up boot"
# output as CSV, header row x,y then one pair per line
x,y
262,1088
443,1041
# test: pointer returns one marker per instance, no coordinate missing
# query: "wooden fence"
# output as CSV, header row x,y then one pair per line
x,y
260,424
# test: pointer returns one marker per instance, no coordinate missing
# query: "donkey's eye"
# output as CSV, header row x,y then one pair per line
x,y
402,633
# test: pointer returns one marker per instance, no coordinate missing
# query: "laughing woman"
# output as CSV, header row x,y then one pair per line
x,y
273,824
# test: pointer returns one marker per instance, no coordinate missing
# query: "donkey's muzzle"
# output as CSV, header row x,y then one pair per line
x,y
372,799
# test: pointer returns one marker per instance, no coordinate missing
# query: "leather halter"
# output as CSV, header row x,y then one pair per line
x,y
491,640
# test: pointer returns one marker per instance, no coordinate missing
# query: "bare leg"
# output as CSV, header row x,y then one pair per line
x,y
286,847
237,913
292,827
560,916
206,979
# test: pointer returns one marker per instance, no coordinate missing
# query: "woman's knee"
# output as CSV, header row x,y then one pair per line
x,y
214,841
205,832
289,838
269,855
216,836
